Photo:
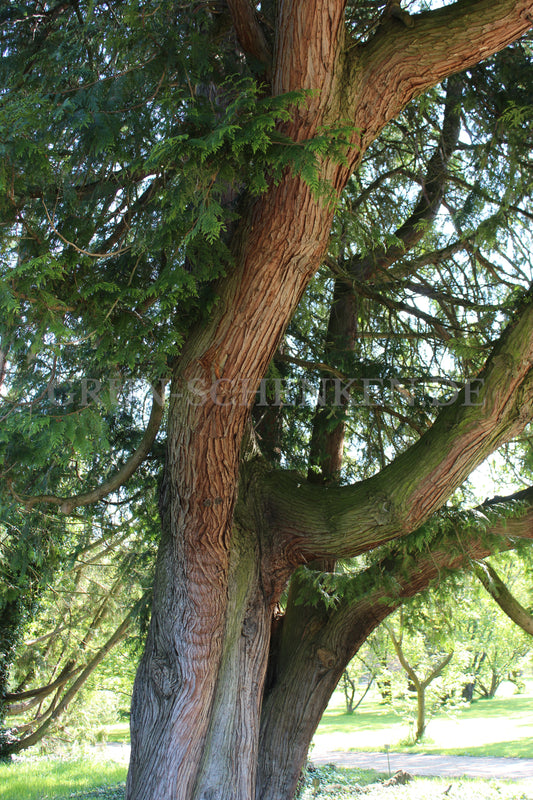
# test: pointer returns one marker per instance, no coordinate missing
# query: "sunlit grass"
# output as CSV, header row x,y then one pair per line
x,y
119,732
499,727
44,779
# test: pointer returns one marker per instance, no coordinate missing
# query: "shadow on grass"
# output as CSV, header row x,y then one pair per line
x,y
98,793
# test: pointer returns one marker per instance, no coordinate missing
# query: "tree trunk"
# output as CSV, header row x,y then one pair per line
x,y
197,692
315,644
348,686
420,711
196,708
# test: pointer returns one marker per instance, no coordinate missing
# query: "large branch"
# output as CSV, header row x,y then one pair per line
x,y
382,588
318,522
501,595
400,63
67,504
316,643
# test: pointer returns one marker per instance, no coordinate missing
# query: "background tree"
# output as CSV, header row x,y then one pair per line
x,y
357,680
425,656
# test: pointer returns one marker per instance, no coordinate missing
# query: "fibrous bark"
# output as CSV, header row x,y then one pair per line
x,y
317,643
216,582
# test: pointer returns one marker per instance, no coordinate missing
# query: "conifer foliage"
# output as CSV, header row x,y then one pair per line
x,y
201,203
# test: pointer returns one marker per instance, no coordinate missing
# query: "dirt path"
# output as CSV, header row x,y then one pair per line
x,y
444,766
417,764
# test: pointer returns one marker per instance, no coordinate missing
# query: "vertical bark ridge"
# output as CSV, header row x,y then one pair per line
x,y
180,682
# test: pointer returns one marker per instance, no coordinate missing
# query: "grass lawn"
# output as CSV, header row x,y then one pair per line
x,y
119,732
499,727
47,778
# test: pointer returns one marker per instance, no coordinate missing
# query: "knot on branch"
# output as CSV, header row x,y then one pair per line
x,y
395,11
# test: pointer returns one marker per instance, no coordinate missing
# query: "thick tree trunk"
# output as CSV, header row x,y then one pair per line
x,y
316,644
197,692
197,695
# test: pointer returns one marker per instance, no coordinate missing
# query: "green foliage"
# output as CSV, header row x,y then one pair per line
x,y
135,137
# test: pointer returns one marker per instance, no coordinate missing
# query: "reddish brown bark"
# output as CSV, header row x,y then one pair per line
x,y
316,644
185,678
249,31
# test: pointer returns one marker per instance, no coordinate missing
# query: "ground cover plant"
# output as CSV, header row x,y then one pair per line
x,y
332,783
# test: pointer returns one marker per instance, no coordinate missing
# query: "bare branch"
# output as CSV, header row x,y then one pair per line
x,y
361,268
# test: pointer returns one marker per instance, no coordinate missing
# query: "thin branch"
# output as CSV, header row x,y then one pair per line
x,y
117,636
67,504
361,268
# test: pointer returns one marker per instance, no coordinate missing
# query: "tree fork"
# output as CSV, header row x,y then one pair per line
x,y
316,643
278,248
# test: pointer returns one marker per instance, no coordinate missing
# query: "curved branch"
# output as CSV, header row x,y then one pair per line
x,y
501,595
490,410
19,702
401,63
67,504
302,686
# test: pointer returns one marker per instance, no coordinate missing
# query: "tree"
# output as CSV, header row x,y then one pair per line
x,y
169,189
355,673
85,614
432,670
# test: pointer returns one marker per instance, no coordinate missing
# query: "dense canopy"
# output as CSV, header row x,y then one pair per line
x,y
266,267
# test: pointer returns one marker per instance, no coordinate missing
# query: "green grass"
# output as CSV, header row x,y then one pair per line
x,y
499,727
119,732
54,779
47,778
